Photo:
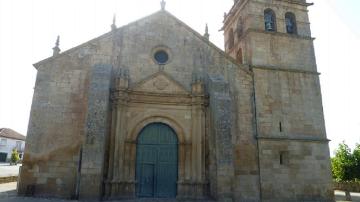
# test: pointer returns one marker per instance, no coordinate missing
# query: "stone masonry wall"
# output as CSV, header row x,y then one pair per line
x,y
93,150
190,53
246,168
283,52
55,129
270,49
221,122
287,101
57,121
288,105
302,174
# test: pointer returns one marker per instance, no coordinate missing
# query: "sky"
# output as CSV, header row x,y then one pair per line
x,y
28,30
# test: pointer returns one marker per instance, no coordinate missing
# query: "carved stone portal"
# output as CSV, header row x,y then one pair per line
x,y
157,99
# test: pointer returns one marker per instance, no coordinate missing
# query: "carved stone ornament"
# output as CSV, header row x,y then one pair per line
x,y
160,83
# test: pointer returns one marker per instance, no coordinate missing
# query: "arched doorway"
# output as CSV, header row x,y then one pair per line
x,y
157,162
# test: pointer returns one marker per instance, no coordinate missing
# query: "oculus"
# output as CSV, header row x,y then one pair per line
x,y
161,57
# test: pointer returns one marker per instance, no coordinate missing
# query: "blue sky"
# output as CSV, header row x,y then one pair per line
x,y
28,30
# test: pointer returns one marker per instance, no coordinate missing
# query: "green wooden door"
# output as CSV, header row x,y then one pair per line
x,y
157,162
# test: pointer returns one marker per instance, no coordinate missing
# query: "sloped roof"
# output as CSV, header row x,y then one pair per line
x,y
11,134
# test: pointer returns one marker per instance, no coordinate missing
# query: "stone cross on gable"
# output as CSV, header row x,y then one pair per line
x,y
163,4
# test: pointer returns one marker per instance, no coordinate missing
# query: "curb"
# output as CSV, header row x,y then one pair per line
x,y
8,179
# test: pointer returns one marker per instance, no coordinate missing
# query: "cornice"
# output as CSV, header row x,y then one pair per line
x,y
159,98
297,139
284,69
296,36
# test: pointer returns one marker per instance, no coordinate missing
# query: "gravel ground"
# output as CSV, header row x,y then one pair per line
x,y
8,194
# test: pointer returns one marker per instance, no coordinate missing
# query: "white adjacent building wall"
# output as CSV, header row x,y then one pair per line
x,y
10,140
7,145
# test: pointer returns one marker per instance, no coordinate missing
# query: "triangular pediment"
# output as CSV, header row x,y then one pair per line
x,y
160,82
151,19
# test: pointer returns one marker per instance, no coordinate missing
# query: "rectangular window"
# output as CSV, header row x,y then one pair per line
x,y
3,142
284,158
18,145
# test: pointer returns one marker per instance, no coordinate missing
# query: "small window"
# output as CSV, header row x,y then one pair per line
x,y
240,28
239,56
270,20
18,145
161,57
290,22
231,39
284,158
3,142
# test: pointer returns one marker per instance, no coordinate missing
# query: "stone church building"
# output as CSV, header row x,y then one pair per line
x,y
154,109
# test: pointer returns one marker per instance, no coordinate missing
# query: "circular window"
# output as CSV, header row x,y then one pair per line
x,y
161,57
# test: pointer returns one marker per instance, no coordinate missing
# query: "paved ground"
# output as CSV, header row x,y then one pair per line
x,y
7,170
340,196
8,194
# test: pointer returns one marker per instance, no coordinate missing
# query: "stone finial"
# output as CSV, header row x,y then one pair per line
x,y
56,49
207,35
113,26
122,78
57,43
163,4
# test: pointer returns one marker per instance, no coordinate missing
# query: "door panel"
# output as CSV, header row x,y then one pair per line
x,y
166,186
148,154
157,162
147,180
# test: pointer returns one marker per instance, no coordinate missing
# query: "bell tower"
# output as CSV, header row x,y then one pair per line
x,y
273,38
253,30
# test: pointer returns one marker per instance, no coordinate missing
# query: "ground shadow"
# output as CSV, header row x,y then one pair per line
x,y
7,193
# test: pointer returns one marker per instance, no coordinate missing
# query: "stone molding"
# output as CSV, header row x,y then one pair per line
x,y
118,97
305,139
252,30
146,95
283,69
133,134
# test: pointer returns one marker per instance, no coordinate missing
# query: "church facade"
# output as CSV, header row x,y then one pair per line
x,y
153,109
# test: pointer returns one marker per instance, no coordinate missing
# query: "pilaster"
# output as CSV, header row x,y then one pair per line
x,y
118,180
96,129
220,110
